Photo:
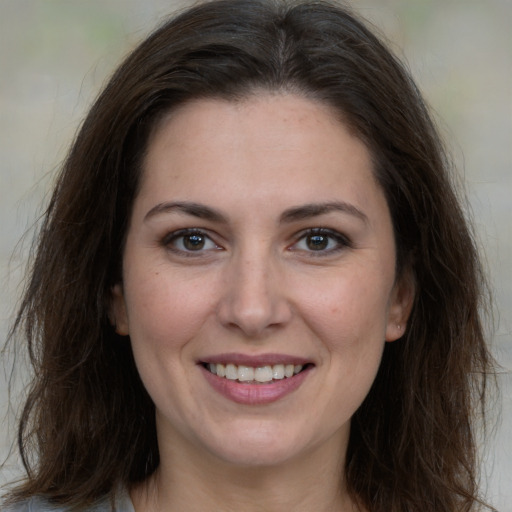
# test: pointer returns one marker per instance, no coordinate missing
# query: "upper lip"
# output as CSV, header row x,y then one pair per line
x,y
255,360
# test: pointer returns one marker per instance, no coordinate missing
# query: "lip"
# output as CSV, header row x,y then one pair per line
x,y
255,360
255,394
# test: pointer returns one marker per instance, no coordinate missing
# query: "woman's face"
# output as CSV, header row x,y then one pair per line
x,y
260,246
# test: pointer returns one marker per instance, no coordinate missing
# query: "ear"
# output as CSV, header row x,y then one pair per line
x,y
400,306
117,314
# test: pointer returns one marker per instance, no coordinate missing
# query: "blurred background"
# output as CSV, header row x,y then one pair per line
x,y
56,54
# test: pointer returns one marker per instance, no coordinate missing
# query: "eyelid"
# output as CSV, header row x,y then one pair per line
x,y
169,238
341,240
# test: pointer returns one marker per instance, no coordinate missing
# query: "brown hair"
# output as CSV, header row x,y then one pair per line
x,y
88,424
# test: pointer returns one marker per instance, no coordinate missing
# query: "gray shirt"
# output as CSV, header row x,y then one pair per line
x,y
37,504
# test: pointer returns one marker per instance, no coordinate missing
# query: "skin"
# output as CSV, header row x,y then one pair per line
x,y
255,285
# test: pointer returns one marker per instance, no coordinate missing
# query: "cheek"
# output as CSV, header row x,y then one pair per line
x,y
350,308
166,310
165,314
349,318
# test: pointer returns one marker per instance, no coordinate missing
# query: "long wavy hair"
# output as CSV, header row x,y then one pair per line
x,y
88,424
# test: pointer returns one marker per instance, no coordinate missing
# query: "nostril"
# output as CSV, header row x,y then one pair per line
x,y
253,313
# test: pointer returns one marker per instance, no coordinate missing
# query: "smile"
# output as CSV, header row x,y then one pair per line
x,y
251,375
255,380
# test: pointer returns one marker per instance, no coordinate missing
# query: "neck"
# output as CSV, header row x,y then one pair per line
x,y
312,482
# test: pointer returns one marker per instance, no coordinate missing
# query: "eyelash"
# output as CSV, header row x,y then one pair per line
x,y
171,240
340,240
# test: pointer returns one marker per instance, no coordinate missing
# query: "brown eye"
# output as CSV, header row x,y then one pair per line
x,y
189,241
317,242
321,241
194,242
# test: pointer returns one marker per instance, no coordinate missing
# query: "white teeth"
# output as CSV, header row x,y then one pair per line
x,y
231,372
278,371
244,373
263,374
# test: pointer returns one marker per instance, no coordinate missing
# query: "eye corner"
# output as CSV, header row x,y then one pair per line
x,y
190,242
320,242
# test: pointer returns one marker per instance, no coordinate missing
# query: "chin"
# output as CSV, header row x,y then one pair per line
x,y
259,446
258,456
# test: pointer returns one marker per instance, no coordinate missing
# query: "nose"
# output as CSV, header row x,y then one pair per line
x,y
254,299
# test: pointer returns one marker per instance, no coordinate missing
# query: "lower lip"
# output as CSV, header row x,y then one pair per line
x,y
255,394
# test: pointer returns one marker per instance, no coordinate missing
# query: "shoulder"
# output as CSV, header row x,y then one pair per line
x,y
38,504
34,504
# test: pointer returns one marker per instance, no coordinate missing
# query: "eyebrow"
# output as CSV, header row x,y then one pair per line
x,y
195,209
315,209
291,215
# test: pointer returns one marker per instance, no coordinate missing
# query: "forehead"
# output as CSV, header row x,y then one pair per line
x,y
266,153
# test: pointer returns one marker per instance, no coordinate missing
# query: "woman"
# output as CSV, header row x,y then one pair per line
x,y
254,287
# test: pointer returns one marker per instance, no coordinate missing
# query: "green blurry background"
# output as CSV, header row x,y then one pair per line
x,y
56,54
